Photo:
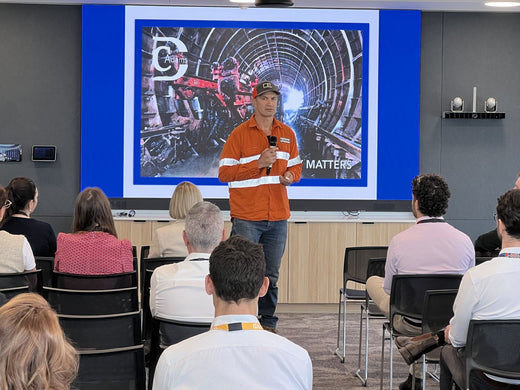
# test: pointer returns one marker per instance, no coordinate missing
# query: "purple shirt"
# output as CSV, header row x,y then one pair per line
x,y
428,248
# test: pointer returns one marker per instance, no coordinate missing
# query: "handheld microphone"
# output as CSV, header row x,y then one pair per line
x,y
272,144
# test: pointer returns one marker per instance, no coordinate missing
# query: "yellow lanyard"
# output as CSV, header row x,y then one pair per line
x,y
239,326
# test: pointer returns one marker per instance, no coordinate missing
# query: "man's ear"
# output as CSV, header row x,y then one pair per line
x,y
223,235
208,285
265,286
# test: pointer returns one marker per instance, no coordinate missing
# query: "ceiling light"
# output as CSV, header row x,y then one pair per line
x,y
490,105
457,104
243,1
503,4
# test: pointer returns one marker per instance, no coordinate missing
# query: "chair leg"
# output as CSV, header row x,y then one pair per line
x,y
391,357
343,352
382,358
424,372
363,378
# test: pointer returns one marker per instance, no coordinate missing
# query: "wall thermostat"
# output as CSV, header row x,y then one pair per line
x,y
44,153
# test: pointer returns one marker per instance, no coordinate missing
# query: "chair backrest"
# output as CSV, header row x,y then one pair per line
x,y
482,259
92,302
10,292
145,250
102,331
356,259
46,264
437,309
173,331
152,263
32,279
407,292
492,346
111,369
94,282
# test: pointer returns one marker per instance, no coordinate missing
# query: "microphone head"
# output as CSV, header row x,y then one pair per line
x,y
272,140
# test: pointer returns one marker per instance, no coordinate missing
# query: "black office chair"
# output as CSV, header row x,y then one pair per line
x,y
166,332
102,331
46,264
369,310
407,299
492,347
94,282
437,312
482,259
152,263
10,292
92,302
355,263
32,279
145,250
111,369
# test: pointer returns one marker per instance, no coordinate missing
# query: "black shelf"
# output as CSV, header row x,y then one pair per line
x,y
473,115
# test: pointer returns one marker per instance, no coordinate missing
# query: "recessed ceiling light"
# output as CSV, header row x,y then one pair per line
x,y
502,4
243,1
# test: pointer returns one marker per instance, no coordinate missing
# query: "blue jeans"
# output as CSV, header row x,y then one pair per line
x,y
272,235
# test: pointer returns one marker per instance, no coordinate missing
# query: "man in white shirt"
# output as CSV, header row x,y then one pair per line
x,y
177,290
236,353
431,246
487,292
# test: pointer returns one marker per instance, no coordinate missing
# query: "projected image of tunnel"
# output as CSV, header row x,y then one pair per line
x,y
196,87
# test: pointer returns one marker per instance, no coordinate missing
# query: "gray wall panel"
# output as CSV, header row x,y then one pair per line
x,y
40,103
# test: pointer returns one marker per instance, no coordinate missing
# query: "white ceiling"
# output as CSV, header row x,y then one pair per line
x,y
424,5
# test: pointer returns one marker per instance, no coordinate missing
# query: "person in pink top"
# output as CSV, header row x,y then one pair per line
x,y
93,247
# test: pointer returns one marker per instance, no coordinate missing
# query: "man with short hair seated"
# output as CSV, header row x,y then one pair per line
x,y
488,291
431,246
236,353
177,290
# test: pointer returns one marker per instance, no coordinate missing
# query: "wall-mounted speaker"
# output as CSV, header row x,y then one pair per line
x,y
274,3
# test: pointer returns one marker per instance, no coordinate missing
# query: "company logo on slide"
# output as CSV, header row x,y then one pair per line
x,y
169,58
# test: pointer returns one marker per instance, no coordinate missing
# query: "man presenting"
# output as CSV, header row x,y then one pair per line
x,y
259,160
236,353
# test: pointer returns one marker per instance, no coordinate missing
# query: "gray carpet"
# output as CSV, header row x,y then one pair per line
x,y
317,333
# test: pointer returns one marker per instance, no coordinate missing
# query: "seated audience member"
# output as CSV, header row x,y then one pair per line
x,y
17,255
35,352
487,292
430,246
93,248
167,240
177,290
23,194
488,244
236,353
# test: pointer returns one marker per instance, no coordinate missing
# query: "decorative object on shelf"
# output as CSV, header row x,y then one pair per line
x,y
457,104
490,105
457,109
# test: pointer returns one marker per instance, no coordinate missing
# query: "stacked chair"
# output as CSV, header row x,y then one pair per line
x,y
100,314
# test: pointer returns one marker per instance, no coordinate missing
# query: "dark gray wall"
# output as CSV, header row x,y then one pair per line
x,y
40,75
40,79
478,158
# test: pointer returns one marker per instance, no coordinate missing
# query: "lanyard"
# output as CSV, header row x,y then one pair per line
x,y
509,254
431,220
239,326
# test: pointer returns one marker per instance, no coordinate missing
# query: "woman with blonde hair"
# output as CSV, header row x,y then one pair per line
x,y
93,247
35,352
167,240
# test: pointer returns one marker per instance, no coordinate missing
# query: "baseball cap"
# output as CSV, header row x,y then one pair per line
x,y
263,87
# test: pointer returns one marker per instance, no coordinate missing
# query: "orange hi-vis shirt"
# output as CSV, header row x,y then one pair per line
x,y
254,195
